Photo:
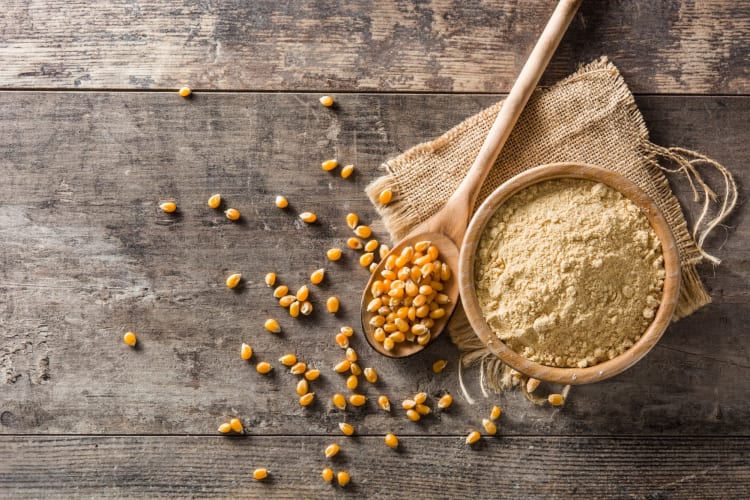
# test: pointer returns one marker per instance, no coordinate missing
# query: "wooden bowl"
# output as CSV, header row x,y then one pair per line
x,y
602,370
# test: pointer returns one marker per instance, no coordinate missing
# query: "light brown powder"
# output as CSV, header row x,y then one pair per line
x,y
569,273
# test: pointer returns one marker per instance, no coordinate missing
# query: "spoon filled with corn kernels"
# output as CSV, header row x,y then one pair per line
x,y
412,292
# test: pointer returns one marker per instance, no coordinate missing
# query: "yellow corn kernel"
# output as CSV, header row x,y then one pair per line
x,y
270,279
346,429
286,300
307,399
339,401
342,367
437,313
306,308
347,171
384,249
302,293
442,299
421,246
347,330
351,354
556,399
420,329
326,101
332,450
423,409
445,401
312,374
371,375
281,201
333,254
363,231
352,382
329,165
385,196
354,243
397,337
214,201
225,428
495,412
445,272
424,339
343,478
473,437
303,387
168,207
371,246
388,344
532,384
384,403
366,259
420,397
232,213
298,368
246,352
308,217
236,425
354,369
260,474
272,325
352,220
185,92
233,280
413,415
374,305
377,321
408,404
439,365
489,426
263,367
130,339
294,308
327,475
280,291
342,340
288,359
391,440
317,276
357,400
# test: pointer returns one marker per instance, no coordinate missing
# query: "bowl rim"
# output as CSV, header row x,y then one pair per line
x,y
670,290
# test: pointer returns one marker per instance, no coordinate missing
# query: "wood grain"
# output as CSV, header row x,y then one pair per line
x,y
86,255
669,46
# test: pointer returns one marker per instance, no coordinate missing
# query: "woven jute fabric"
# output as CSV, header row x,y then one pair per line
x,y
589,117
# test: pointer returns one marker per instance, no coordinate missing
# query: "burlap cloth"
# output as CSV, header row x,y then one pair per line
x,y
589,117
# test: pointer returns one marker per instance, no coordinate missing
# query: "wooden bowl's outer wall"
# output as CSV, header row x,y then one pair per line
x,y
602,370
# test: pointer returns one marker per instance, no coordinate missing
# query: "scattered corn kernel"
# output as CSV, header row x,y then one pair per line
x,y
408,404
317,276
354,243
352,382
351,354
270,279
439,365
303,387
233,280
385,196
489,426
332,450
168,206
413,415
556,399
130,339
347,171
307,399
495,412
214,201
371,245
347,330
357,399
333,254
532,384
246,352
473,437
352,220
308,217
185,92
280,291
302,293
355,369
423,409
420,398
281,201
306,308
272,325
339,401
312,374
294,308
260,474
346,429
286,300
236,425
332,304
288,359
342,340
363,231
298,368
329,165
384,403
343,478
327,475
366,259
326,101
342,366
391,440
232,213
371,375
263,367
445,401
225,428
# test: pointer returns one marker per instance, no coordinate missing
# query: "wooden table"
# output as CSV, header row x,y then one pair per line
x,y
93,135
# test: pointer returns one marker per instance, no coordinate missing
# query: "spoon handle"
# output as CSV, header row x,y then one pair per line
x,y
464,198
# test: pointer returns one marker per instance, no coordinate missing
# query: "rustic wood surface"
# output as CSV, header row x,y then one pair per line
x,y
669,46
85,254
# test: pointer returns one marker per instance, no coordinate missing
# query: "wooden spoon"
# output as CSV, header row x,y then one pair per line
x,y
446,228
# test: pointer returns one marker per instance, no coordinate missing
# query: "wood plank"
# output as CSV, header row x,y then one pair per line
x,y
438,45
422,467
86,255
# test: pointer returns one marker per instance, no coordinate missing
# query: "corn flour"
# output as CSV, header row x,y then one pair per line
x,y
569,273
